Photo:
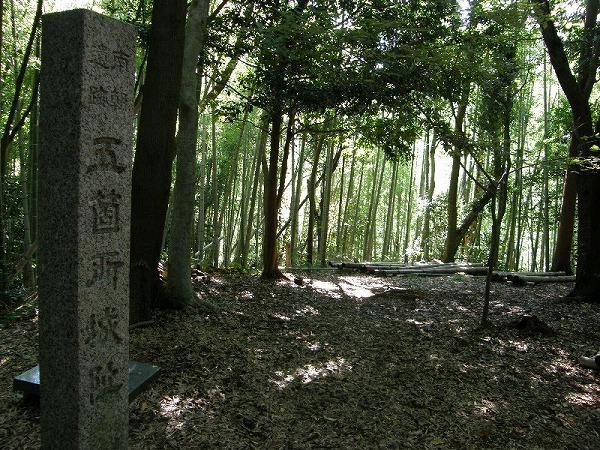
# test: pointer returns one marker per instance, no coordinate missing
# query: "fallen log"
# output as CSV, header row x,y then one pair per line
x,y
418,267
524,279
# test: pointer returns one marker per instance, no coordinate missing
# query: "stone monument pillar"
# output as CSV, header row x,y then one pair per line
x,y
86,131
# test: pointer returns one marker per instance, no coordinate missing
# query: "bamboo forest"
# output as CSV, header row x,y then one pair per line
x,y
299,224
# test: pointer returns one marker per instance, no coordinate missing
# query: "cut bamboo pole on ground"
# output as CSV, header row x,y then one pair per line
x,y
368,266
524,279
431,271
441,269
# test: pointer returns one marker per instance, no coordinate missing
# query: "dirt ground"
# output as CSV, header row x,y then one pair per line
x,y
349,361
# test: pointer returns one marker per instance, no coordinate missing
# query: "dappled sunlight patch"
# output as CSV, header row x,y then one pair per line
x,y
502,346
589,395
326,287
420,324
279,316
517,310
173,407
458,329
245,295
365,287
315,346
356,291
485,408
520,346
307,310
367,282
288,281
562,365
312,372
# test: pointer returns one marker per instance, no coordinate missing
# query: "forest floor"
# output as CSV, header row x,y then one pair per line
x,y
349,361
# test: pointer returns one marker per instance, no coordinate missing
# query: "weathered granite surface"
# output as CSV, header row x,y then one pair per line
x,y
86,113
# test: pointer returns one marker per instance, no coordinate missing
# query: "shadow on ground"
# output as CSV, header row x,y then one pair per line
x,y
347,361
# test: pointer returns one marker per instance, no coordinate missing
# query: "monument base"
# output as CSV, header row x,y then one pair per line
x,y
140,376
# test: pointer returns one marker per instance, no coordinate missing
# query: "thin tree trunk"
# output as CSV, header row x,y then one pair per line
x,y
389,220
399,222
430,189
372,227
338,232
295,205
10,129
245,187
357,209
423,188
409,209
312,182
367,233
325,199
215,191
261,144
229,192
349,196
201,222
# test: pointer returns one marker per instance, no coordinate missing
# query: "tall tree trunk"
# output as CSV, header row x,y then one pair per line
x,y
399,222
216,232
33,153
349,196
338,232
261,144
312,187
517,194
325,200
545,193
179,283
371,234
452,238
430,189
502,165
577,90
155,150
270,259
229,191
356,210
367,233
423,188
246,186
389,219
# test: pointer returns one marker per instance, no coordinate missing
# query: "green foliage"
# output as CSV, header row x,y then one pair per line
x,y
395,135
